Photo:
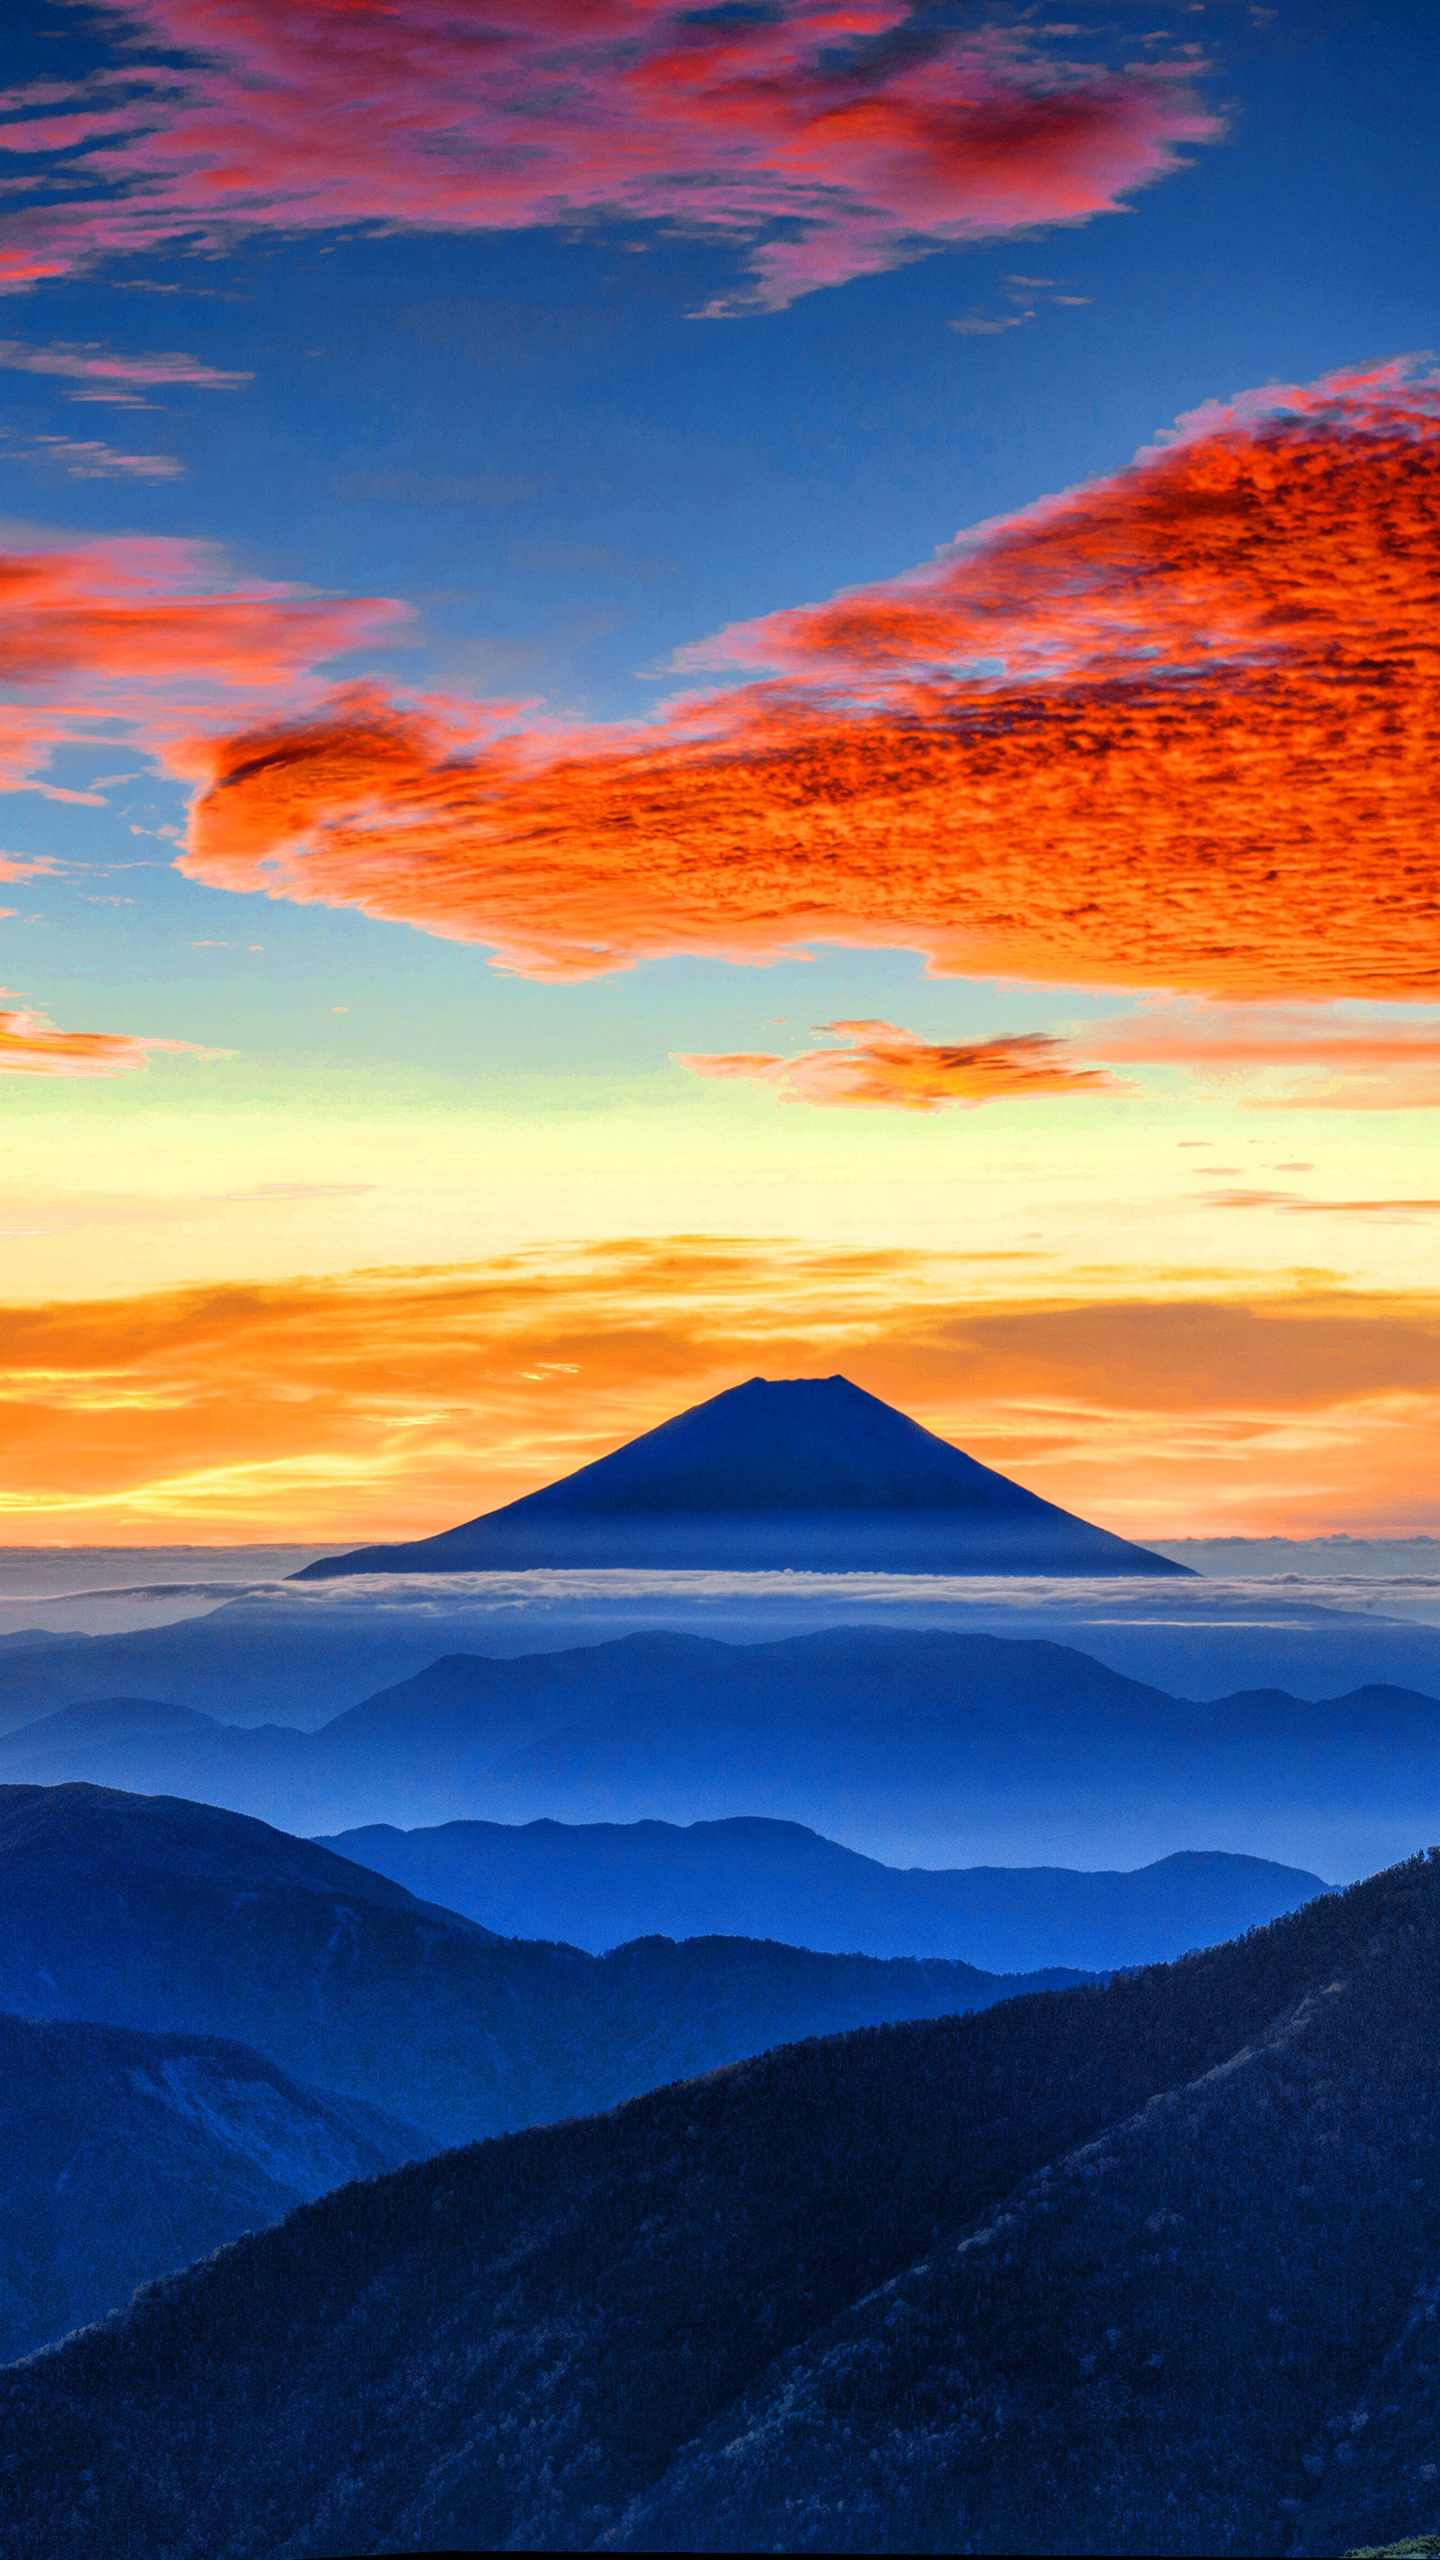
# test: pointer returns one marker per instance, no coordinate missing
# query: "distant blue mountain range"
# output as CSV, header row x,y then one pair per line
x,y
1032,1750
809,1474
597,1884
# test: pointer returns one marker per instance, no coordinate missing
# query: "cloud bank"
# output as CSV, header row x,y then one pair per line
x,y
833,138
884,1066
390,1403
1173,730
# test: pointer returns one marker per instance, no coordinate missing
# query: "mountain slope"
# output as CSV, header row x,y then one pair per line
x,y
654,2329
173,1917
807,1473
599,1883
126,2155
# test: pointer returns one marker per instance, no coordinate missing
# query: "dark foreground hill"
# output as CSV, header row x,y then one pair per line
x,y
145,1912
865,1730
599,1883
123,2156
1134,2269
802,1473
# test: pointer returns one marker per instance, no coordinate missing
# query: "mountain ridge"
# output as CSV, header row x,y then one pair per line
x,y
599,1884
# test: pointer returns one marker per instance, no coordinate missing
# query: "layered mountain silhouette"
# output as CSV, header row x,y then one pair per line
x,y
1030,1750
143,1912
128,2155
1134,2269
597,1884
810,1474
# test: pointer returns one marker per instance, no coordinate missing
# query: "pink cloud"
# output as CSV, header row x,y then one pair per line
x,y
1326,1063
829,138
883,1065
151,632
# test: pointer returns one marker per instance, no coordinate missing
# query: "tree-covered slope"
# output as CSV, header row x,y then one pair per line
x,y
1126,2269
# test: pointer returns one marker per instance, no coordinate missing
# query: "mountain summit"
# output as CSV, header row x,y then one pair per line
x,y
807,1474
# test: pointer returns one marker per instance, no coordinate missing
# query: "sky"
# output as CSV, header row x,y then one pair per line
x,y
696,693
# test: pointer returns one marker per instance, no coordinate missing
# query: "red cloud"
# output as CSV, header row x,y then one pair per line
x,y
884,1065
1208,763
866,132
31,1046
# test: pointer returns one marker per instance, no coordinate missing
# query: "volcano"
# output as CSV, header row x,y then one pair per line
x,y
809,1475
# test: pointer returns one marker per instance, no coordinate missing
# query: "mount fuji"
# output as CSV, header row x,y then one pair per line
x,y
807,1474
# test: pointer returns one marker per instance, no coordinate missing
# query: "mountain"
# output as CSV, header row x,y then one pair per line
x,y
79,1734
809,1474
1020,1749
140,1911
599,1883
128,2155
1134,2269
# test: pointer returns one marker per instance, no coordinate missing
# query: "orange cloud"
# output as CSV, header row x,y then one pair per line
x,y
387,1403
830,138
31,1046
1207,764
884,1065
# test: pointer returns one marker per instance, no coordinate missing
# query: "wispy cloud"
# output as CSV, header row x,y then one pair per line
x,y
1294,1057
886,1067
1295,1200
826,138
83,458
98,373
1170,730
31,1046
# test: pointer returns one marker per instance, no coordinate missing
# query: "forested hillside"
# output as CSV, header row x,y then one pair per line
x,y
1132,2268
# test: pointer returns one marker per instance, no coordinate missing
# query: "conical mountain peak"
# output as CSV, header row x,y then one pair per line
x,y
809,1474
